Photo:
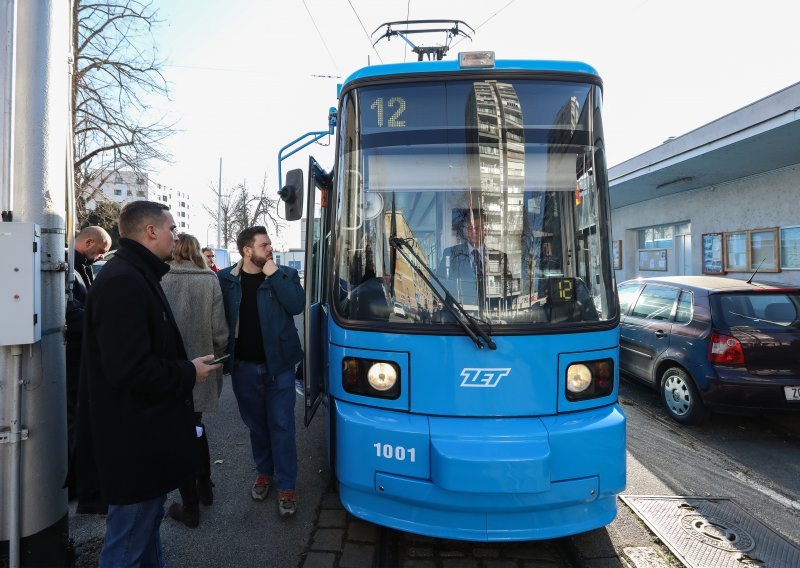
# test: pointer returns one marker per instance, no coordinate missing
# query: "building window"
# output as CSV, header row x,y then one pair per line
x,y
790,248
130,192
117,192
661,236
139,181
118,179
140,193
746,251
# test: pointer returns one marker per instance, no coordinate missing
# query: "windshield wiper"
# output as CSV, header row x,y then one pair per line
x,y
466,321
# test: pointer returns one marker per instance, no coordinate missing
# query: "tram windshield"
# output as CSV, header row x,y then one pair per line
x,y
485,198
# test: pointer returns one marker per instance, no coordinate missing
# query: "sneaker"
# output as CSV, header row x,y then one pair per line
x,y
261,487
287,506
299,387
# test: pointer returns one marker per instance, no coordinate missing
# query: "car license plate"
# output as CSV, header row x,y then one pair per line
x,y
792,393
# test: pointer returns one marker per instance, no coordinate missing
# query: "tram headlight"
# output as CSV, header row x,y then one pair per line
x,y
590,379
381,376
579,377
369,377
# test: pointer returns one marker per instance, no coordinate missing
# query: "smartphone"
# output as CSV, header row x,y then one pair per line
x,y
219,359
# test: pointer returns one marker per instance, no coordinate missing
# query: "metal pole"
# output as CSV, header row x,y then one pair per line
x,y
7,126
219,208
14,439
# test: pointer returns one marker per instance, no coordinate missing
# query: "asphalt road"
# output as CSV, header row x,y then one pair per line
x,y
753,460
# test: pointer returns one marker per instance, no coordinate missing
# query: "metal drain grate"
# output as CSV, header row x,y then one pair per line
x,y
713,533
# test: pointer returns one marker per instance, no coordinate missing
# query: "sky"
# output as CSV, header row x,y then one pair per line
x,y
249,76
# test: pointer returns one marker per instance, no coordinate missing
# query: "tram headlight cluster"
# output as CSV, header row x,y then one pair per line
x,y
590,379
369,377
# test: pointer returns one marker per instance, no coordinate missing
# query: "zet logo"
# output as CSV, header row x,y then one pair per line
x,y
482,377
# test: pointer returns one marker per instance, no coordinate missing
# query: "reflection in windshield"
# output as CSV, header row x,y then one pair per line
x,y
499,199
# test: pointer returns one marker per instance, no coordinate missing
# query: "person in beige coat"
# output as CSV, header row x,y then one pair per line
x,y
195,297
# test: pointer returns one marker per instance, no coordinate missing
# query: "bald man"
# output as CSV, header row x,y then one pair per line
x,y
91,244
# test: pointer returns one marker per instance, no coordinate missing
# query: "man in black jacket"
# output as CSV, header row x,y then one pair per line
x,y
138,407
91,244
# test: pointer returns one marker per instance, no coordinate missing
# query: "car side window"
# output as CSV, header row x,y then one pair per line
x,y
684,313
627,294
655,303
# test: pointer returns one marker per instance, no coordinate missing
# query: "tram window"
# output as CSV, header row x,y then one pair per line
x,y
419,156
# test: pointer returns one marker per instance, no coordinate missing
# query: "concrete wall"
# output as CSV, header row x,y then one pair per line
x,y
763,201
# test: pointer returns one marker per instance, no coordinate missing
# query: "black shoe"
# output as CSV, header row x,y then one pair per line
x,y
91,508
189,516
205,491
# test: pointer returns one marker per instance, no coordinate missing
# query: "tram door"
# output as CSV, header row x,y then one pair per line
x,y
315,330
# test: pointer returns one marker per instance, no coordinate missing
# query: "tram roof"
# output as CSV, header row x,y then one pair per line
x,y
453,66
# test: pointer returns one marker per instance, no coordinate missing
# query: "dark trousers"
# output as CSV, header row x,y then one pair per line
x,y
188,489
83,481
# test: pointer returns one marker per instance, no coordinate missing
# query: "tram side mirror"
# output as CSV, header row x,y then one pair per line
x,y
292,195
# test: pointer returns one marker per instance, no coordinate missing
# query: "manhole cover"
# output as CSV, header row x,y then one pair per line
x,y
717,532
713,532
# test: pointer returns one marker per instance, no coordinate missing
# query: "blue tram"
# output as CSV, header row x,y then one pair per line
x,y
461,319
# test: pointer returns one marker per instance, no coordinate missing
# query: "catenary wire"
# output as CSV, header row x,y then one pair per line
x,y
408,12
365,30
320,36
485,21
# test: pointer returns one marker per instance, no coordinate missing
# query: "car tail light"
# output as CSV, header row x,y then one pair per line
x,y
725,349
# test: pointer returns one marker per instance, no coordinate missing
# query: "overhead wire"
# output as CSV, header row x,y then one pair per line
x,y
408,12
320,36
485,22
366,33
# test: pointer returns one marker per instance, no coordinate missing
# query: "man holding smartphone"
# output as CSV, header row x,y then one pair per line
x,y
135,415
261,300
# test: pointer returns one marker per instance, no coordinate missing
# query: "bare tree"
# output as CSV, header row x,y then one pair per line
x,y
239,209
224,220
117,77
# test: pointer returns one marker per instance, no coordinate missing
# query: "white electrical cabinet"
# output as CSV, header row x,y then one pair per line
x,y
20,284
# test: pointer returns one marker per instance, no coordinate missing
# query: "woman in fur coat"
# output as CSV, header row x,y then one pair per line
x,y
195,297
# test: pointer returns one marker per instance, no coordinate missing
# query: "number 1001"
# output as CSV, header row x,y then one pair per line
x,y
391,452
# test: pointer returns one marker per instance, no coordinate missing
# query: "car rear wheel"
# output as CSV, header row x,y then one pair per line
x,y
681,398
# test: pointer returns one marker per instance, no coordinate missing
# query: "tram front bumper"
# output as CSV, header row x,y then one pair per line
x,y
481,478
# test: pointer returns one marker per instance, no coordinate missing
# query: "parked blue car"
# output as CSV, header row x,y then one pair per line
x,y
708,342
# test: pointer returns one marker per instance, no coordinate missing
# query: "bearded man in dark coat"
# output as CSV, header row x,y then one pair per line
x,y
137,410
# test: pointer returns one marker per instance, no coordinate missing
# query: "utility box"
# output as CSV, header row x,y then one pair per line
x,y
20,284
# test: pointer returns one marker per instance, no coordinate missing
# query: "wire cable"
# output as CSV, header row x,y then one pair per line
x,y
408,11
320,36
363,28
485,21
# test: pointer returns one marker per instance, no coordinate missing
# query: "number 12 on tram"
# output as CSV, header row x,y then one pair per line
x,y
461,320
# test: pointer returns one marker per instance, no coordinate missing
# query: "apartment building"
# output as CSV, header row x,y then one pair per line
x,y
125,186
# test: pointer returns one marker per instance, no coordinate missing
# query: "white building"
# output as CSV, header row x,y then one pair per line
x,y
293,258
126,186
721,199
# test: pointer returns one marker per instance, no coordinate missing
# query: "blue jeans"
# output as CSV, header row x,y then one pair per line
x,y
132,535
266,405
